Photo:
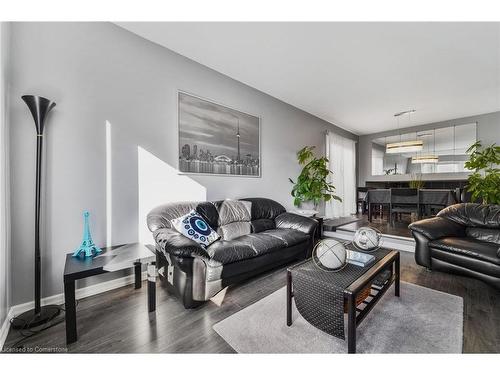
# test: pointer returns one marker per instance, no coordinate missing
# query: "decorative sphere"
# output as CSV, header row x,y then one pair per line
x,y
330,255
367,239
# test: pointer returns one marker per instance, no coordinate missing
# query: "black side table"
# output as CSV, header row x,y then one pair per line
x,y
111,259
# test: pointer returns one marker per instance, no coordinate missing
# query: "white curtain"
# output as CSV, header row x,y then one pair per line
x,y
377,161
341,153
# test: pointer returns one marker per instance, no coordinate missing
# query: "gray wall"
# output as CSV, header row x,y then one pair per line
x,y
5,264
488,131
98,72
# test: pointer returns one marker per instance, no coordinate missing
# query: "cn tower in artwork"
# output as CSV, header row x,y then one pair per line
x,y
238,136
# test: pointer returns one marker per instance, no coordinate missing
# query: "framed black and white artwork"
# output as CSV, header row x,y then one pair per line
x,y
217,140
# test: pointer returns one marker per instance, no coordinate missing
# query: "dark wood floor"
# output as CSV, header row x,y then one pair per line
x,y
118,322
400,228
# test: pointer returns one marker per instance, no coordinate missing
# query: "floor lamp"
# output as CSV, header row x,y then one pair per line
x,y
39,108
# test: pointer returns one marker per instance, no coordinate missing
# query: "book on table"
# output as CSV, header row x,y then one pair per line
x,y
359,259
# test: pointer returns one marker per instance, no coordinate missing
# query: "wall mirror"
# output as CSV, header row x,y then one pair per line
x,y
441,150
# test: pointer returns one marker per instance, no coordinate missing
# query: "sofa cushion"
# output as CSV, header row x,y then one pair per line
x,y
234,218
241,248
209,212
447,261
260,225
263,244
161,216
263,208
234,230
231,211
289,237
470,247
484,234
225,252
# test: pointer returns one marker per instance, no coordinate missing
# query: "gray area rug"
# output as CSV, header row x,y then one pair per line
x,y
422,320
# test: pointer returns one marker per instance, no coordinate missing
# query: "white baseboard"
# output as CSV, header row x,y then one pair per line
x,y
58,299
4,330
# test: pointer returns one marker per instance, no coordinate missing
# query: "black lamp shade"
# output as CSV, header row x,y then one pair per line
x,y
39,108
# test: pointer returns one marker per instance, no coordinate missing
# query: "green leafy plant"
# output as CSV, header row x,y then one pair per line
x,y
312,184
484,182
416,181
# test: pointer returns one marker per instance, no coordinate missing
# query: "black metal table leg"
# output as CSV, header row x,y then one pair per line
x,y
138,274
396,279
351,323
70,307
288,298
151,287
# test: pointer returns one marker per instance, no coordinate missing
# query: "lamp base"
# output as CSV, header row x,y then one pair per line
x,y
30,319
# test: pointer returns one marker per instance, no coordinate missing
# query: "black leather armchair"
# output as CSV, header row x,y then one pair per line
x,y
463,239
195,274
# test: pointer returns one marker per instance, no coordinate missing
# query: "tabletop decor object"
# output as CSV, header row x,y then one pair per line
x,y
88,248
360,258
330,255
39,108
367,239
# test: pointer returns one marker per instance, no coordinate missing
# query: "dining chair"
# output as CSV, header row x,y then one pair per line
x,y
361,203
380,206
404,201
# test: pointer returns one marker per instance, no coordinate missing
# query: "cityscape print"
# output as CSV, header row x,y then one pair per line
x,y
215,139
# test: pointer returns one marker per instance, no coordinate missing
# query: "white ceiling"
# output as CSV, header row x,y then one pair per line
x,y
355,75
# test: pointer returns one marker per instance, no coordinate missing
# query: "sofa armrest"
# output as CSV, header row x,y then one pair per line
x,y
289,220
437,227
172,242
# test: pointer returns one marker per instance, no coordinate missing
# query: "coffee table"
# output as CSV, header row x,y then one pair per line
x,y
323,296
111,259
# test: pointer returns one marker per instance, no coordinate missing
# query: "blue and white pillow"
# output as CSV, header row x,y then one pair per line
x,y
193,226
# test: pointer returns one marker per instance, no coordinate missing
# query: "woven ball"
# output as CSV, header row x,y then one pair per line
x,y
367,239
330,255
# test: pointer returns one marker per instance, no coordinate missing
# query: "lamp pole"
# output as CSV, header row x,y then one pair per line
x,y
39,108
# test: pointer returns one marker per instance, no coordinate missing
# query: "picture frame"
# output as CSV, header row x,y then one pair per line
x,y
214,139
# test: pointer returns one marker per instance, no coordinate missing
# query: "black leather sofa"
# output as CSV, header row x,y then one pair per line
x,y
463,239
196,274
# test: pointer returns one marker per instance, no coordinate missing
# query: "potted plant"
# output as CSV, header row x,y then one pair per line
x,y
312,184
416,181
484,182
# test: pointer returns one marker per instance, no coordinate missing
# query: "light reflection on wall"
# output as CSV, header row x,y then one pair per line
x,y
160,183
109,179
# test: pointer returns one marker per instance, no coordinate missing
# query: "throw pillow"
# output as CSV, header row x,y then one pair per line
x,y
231,211
234,230
261,225
193,226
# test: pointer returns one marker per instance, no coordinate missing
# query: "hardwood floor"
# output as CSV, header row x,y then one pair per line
x,y
118,321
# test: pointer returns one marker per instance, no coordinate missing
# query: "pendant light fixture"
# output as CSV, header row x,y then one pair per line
x,y
404,146
429,158
425,159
